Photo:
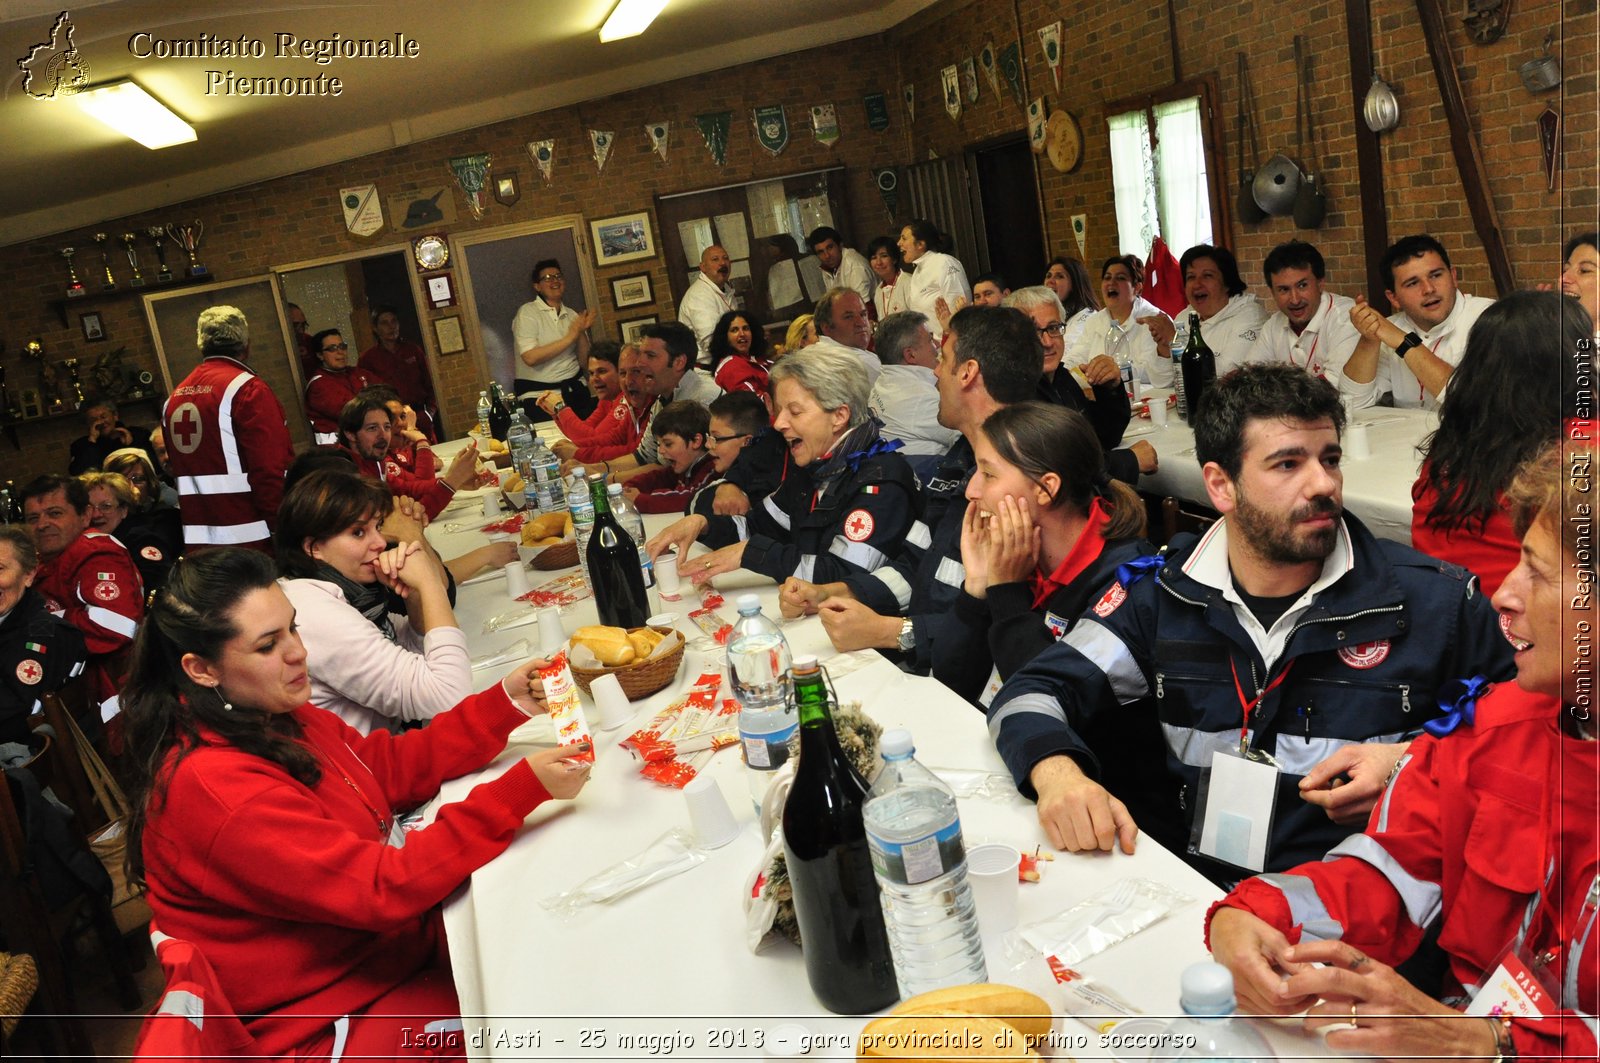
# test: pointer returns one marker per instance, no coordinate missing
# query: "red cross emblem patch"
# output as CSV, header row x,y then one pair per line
x,y
1110,600
106,591
858,526
30,671
150,553
1366,655
186,433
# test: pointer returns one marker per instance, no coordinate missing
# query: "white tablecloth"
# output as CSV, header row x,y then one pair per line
x,y
670,960
1377,489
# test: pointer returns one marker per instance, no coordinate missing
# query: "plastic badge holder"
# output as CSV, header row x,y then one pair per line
x,y
671,854
1093,925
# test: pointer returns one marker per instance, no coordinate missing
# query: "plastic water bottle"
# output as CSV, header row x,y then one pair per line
x,y
483,420
921,866
581,506
545,486
1210,1027
1180,340
519,441
758,674
633,524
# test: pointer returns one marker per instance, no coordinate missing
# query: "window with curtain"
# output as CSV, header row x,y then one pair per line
x,y
1159,177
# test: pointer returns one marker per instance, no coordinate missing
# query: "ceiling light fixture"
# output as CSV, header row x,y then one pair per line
x,y
630,18
136,114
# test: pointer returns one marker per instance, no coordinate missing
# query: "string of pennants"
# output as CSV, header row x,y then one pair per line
x,y
959,84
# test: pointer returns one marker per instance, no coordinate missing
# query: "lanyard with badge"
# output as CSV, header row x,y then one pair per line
x,y
1238,793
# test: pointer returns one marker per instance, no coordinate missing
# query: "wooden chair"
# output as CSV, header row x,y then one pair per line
x,y
67,778
1175,519
42,926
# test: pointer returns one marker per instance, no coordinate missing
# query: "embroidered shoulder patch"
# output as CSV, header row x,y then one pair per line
x,y
30,671
1366,655
1115,596
107,591
858,526
150,553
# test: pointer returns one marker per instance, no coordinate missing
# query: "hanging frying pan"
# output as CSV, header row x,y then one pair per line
x,y
1249,211
1310,202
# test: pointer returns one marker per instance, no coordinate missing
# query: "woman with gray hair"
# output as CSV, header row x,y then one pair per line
x,y
846,499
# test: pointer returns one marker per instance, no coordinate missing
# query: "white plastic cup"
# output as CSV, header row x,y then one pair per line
x,y
491,506
1357,441
1158,406
612,706
516,579
992,870
709,815
552,632
667,576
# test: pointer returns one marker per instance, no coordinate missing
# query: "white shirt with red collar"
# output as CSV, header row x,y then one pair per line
x,y
1321,348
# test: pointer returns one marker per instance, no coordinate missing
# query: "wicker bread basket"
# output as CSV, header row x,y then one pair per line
x,y
562,555
638,680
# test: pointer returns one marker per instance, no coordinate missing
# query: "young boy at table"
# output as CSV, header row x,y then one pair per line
x,y
751,459
681,431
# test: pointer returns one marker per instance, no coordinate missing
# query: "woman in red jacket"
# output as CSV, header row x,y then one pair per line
x,y
1487,833
266,828
739,353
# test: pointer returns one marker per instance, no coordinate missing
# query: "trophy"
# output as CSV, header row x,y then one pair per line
x,y
77,387
51,402
105,261
133,260
76,288
157,233
188,238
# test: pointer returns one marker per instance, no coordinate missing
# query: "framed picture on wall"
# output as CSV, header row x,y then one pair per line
x,y
632,330
447,333
624,238
441,293
631,291
92,327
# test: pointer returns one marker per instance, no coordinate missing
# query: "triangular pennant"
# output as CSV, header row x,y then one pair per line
x,y
887,179
472,174
877,105
1080,224
543,154
714,128
969,79
908,93
602,140
363,210
825,124
1050,38
772,128
991,66
950,82
1011,67
659,133
1036,121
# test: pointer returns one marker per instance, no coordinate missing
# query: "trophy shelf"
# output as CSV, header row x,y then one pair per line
x,y
96,298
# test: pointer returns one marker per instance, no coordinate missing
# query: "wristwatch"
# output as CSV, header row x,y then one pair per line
x,y
560,405
1411,340
907,639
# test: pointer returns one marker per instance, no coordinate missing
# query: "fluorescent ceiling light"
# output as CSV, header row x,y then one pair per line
x,y
136,114
630,18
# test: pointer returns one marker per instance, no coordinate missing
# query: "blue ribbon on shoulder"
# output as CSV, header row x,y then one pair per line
x,y
882,446
1459,710
1131,572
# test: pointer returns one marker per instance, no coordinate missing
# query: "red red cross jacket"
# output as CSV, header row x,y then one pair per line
x,y
94,586
434,494
228,447
326,393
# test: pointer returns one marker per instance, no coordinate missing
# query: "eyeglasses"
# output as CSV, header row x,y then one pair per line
x,y
105,507
724,439
548,277
1055,328
336,347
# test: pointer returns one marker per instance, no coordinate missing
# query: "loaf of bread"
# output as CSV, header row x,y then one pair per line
x,y
609,644
644,641
1025,1012
921,1038
513,482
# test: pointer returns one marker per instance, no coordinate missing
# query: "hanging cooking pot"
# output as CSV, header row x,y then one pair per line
x,y
1381,109
1249,211
1276,184
1544,73
1310,201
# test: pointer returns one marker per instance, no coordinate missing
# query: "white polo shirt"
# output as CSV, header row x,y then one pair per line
x,y
536,324
1321,349
1448,342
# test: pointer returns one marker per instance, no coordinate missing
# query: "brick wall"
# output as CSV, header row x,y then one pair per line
x,y
1111,50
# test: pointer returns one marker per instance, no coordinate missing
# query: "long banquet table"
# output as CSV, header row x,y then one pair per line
x,y
642,975
1377,489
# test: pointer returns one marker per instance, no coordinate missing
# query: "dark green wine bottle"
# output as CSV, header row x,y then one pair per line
x,y
614,572
830,866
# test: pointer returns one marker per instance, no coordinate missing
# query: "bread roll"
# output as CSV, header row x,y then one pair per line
x,y
907,1038
547,524
1028,1014
609,644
